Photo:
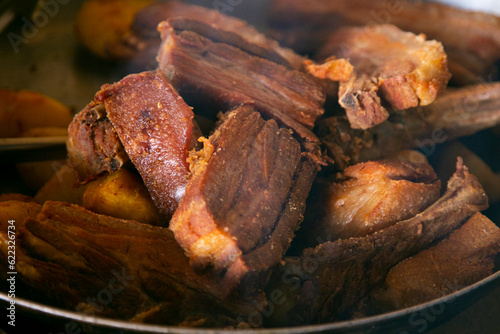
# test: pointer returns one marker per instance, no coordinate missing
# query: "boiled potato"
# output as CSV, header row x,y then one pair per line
x,y
101,25
22,110
122,195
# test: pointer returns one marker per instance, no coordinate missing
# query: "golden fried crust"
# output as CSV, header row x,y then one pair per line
x,y
390,66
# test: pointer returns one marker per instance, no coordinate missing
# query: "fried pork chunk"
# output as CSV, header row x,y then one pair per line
x,y
146,38
373,195
464,258
93,145
471,39
455,113
389,67
331,279
67,256
244,201
219,70
156,128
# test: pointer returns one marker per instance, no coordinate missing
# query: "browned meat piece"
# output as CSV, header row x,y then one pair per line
x,y
464,258
370,196
145,33
471,39
99,265
455,113
243,202
390,66
215,69
156,128
93,145
335,276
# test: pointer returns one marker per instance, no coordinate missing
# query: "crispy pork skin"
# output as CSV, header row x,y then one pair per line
x,y
390,66
156,128
335,276
471,39
464,258
370,196
98,265
220,70
93,145
244,201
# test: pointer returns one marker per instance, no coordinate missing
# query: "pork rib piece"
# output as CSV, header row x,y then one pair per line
x,y
335,276
99,265
454,114
93,145
157,130
464,258
370,196
390,67
220,70
244,201
471,39
145,35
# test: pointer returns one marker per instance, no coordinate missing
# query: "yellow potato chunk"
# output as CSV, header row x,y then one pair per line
x,y
22,110
122,195
101,25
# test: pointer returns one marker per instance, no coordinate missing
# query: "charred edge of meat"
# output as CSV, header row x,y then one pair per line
x,y
235,228
339,274
93,145
455,113
224,76
157,130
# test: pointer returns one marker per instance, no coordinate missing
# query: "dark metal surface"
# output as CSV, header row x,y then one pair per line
x,y
417,319
46,57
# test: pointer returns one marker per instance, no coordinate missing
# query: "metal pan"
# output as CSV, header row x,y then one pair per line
x,y
417,319
49,60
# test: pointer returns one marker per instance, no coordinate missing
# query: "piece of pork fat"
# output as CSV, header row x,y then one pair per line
x,y
464,258
391,68
243,202
455,113
67,256
217,70
370,196
93,145
145,36
331,279
471,39
157,130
